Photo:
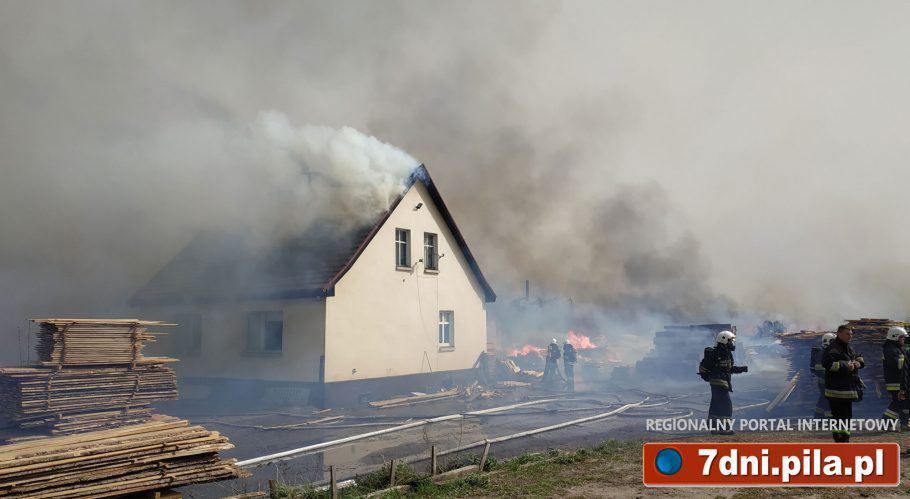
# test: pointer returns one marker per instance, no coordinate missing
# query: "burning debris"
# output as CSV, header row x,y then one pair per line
x,y
527,363
580,341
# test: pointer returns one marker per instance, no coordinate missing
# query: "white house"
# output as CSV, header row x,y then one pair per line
x,y
394,306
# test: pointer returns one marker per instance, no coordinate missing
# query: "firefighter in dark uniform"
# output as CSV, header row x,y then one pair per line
x,y
822,407
569,357
893,362
842,383
716,368
551,371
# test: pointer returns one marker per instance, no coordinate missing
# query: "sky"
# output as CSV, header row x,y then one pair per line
x,y
655,161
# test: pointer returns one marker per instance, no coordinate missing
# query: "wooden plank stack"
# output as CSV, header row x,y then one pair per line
x,y
674,358
91,374
82,398
93,387
799,350
161,453
95,341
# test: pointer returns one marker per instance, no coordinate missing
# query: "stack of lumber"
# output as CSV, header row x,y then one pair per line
x,y
675,356
868,336
799,350
91,374
83,398
95,341
164,452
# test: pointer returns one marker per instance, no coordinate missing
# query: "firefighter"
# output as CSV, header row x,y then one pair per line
x,y
716,368
893,362
551,370
842,383
569,357
822,408
905,412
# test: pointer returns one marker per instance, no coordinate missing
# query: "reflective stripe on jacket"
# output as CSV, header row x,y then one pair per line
x,y
840,381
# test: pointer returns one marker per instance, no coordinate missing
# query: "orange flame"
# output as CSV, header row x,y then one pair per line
x,y
525,350
580,341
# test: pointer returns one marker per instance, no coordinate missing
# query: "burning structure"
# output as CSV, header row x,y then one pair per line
x,y
332,315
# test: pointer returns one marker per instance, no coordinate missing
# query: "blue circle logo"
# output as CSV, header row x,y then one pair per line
x,y
668,461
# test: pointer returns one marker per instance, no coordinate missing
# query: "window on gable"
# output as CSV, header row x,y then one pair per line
x,y
265,332
186,337
402,248
430,251
446,328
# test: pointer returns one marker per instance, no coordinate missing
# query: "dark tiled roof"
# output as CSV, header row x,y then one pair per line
x,y
218,267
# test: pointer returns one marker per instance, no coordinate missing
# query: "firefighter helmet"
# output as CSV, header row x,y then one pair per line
x,y
895,333
826,339
726,338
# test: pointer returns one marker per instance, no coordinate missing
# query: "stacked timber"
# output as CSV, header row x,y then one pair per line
x,y
674,358
95,341
161,453
799,351
93,390
91,374
83,398
868,336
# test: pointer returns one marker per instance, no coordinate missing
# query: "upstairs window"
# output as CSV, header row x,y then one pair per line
x,y
430,251
265,332
446,328
402,248
186,337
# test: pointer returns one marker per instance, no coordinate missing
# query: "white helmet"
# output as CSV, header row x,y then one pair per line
x,y
554,341
895,333
726,338
826,338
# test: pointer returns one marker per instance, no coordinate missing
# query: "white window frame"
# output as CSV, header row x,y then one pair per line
x,y
256,321
430,252
402,248
447,328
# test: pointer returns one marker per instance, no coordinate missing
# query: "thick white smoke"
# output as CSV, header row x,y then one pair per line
x,y
311,172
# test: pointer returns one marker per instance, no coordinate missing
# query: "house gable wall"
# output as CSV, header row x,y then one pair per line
x,y
384,322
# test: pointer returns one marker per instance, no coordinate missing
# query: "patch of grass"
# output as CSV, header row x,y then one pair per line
x,y
529,474
285,491
469,485
379,479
